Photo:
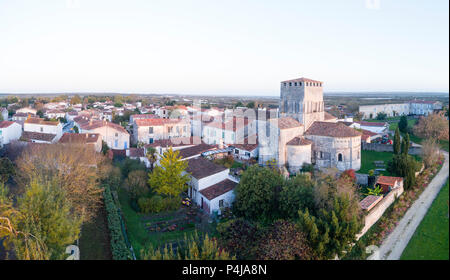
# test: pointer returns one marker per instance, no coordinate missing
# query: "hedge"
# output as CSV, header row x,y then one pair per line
x,y
119,247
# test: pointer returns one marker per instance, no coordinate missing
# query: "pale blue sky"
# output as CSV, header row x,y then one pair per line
x,y
243,47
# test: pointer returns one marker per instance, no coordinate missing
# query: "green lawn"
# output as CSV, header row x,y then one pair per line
x,y
393,126
94,241
368,157
430,241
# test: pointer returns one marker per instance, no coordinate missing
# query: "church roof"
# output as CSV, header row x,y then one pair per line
x,y
329,116
298,141
302,80
332,130
288,122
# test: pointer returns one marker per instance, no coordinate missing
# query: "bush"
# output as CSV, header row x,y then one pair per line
x,y
171,203
119,247
151,205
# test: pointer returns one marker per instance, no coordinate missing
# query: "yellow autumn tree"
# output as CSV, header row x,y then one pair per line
x,y
168,178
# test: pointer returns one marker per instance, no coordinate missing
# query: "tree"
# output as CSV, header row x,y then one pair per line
x,y
44,217
297,193
7,169
251,105
284,241
405,166
381,116
433,126
75,100
152,157
403,124
397,141
195,248
74,169
105,147
405,144
257,193
168,178
430,152
76,130
136,184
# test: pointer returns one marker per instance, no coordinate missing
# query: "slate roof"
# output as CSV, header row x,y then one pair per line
x,y
332,130
218,189
195,150
201,168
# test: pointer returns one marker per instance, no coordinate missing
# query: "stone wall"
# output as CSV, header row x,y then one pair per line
x,y
375,213
362,179
413,150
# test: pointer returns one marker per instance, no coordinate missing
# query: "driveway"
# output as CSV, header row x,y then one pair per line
x,y
393,246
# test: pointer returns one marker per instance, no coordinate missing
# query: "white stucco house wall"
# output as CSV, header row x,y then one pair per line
x,y
9,131
38,125
115,136
210,186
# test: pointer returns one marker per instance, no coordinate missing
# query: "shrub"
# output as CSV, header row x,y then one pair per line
x,y
171,203
151,205
118,245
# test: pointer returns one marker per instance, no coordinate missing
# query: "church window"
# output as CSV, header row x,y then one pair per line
x,y
290,84
295,84
300,84
339,157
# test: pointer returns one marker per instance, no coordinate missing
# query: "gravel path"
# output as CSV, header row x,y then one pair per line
x,y
393,246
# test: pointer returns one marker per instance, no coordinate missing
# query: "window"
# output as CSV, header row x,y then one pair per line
x,y
236,151
117,134
42,129
221,203
116,143
300,84
247,154
150,130
150,141
321,155
290,84
339,157
184,128
295,84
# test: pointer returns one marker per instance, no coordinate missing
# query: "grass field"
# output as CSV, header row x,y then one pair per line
x,y
393,126
368,157
94,240
430,241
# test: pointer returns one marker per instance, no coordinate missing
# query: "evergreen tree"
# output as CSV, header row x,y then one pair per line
x,y
403,124
397,142
405,144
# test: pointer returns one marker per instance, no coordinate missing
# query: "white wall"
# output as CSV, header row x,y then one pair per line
x,y
11,133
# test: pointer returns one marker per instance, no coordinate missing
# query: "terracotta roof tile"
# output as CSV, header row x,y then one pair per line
x,y
29,136
218,189
387,180
82,138
332,130
201,168
4,124
298,141
369,202
303,80
288,122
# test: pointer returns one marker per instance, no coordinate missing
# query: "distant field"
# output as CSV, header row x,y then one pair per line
x,y
430,241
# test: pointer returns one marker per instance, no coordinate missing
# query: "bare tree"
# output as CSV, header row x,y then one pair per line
x,y
430,152
74,168
433,126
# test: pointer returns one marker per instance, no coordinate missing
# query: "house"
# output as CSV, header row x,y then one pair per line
x,y
142,117
54,114
20,118
27,110
114,135
93,140
5,114
37,137
196,151
51,130
389,183
368,136
210,186
375,127
247,150
9,131
424,107
228,132
149,130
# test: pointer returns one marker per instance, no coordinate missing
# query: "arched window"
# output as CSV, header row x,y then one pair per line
x,y
339,157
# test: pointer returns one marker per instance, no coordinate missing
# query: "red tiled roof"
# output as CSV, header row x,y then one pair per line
x,y
4,124
28,136
94,124
332,130
136,152
41,121
246,146
387,180
302,80
218,189
288,122
298,141
156,122
201,168
82,138
329,116
369,202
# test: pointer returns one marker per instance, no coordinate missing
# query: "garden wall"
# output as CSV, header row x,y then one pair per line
x,y
375,214
362,179
413,150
